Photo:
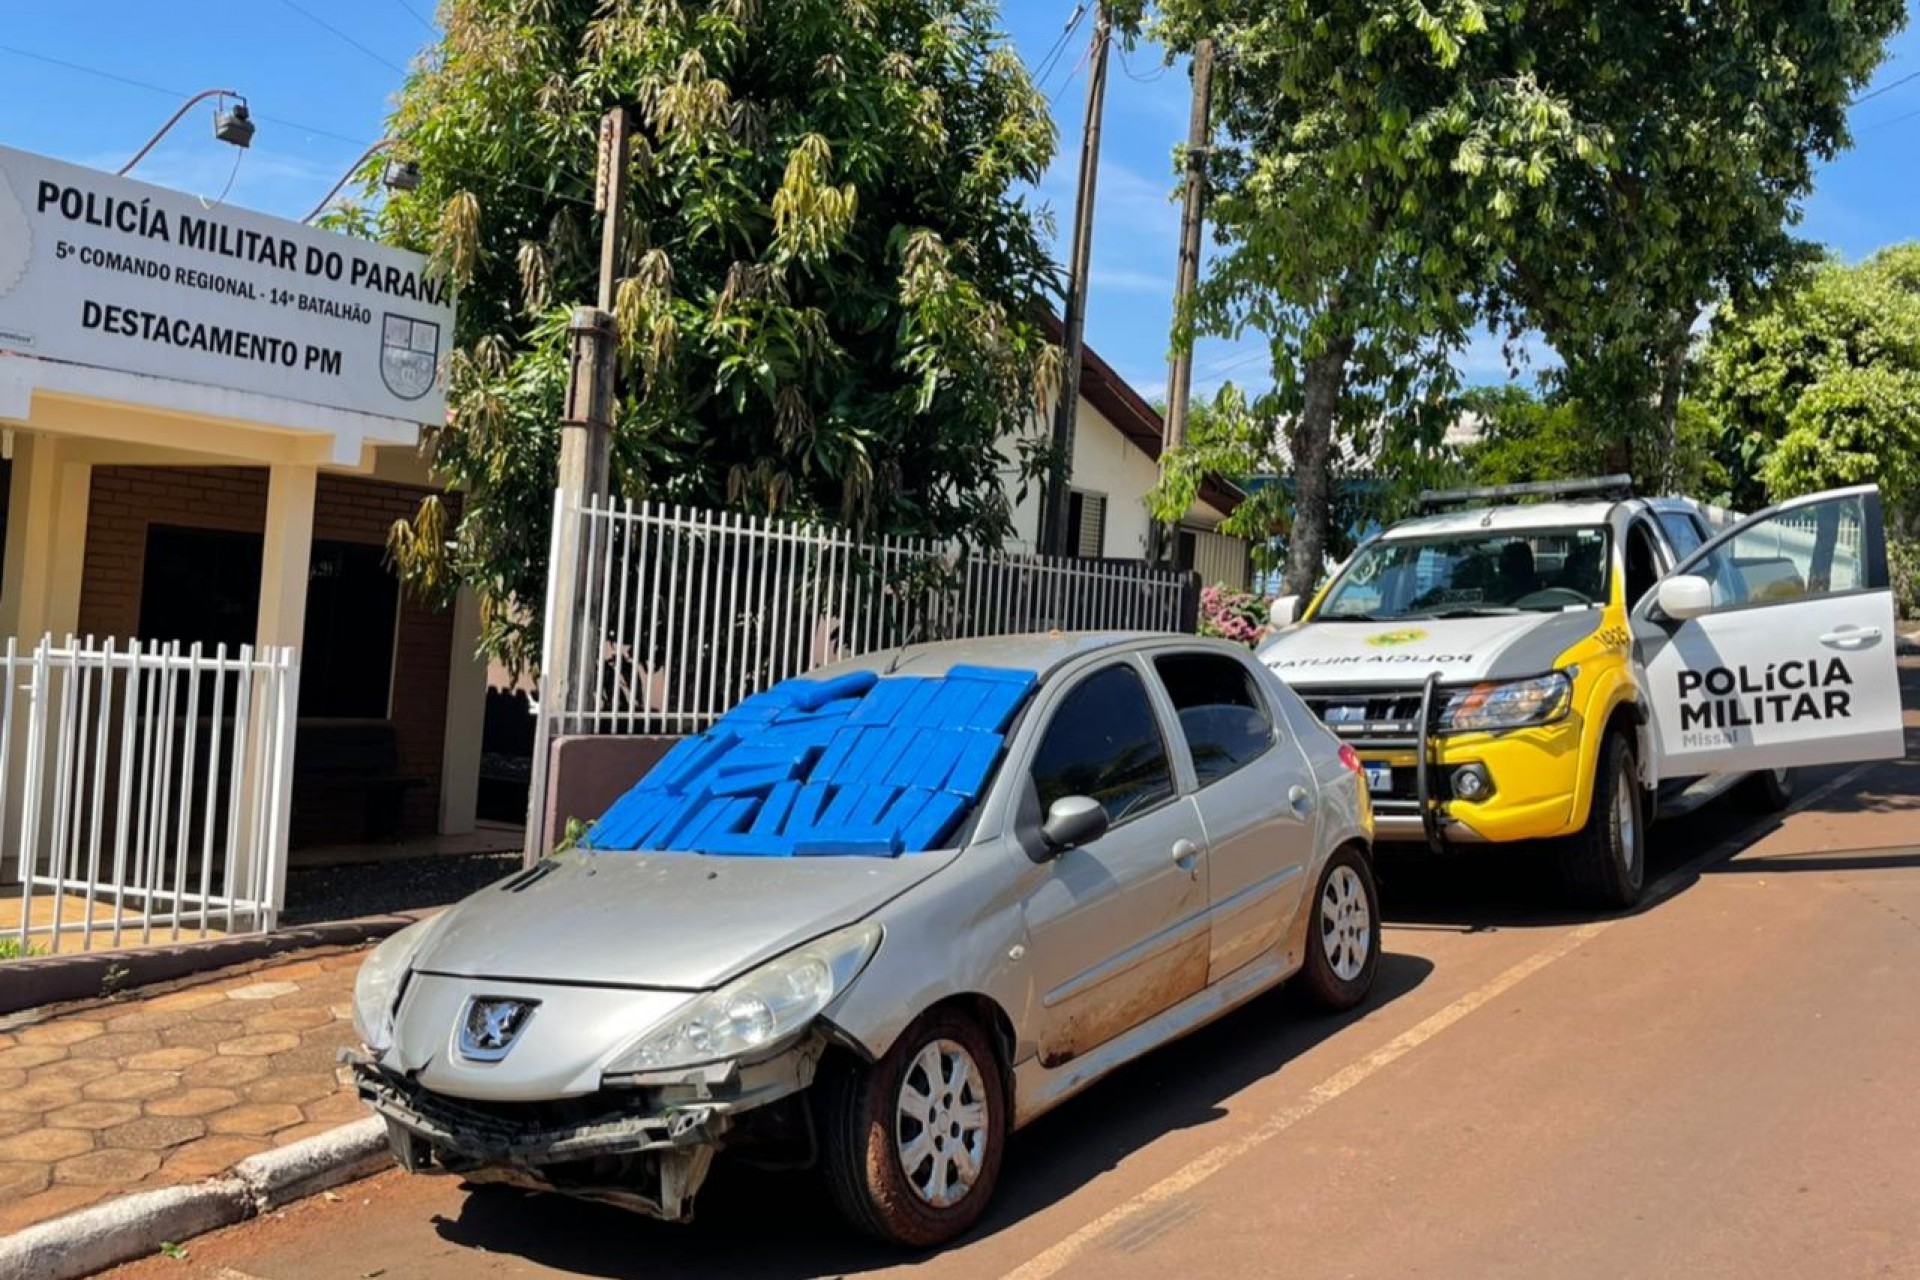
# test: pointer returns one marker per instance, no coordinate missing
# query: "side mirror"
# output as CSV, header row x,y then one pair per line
x,y
1074,821
1684,597
1285,611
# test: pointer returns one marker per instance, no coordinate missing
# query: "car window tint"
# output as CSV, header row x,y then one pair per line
x,y
1814,550
1104,742
1222,716
1683,531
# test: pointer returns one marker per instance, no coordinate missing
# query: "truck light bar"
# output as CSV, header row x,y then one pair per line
x,y
1620,486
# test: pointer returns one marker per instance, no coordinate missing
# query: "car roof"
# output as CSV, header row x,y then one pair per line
x,y
1037,651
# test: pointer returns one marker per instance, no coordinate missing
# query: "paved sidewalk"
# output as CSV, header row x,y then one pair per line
x,y
112,1097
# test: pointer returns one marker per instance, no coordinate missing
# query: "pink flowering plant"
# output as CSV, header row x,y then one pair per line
x,y
1240,616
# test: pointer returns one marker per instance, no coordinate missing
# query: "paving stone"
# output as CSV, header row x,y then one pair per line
x,y
342,1012
257,1119
22,1179
44,1146
200,1035
139,1017
39,1097
118,1045
306,1087
154,1133
73,1071
296,972
61,1031
24,1056
337,1108
193,1102
173,1059
260,1046
6,1040
107,1167
131,1086
225,1073
316,1053
312,1129
92,1115
264,991
18,1122
209,1156
49,1204
12,1078
291,1017
197,998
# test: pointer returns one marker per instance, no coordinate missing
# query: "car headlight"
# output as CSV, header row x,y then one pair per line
x,y
376,989
768,1005
1512,704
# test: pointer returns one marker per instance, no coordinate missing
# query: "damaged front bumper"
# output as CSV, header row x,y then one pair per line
x,y
647,1149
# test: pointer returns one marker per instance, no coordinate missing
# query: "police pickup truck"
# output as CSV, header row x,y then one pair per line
x,y
1562,661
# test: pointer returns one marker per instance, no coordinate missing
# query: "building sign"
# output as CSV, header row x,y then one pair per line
x,y
105,271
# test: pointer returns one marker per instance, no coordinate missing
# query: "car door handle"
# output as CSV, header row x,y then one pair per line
x,y
1186,856
1301,801
1851,637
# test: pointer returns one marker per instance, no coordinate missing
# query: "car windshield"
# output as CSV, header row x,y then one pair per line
x,y
1470,574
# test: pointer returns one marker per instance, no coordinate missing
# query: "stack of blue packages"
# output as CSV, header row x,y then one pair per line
x,y
853,765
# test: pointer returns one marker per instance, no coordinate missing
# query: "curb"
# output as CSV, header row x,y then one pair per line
x,y
91,1240
90,975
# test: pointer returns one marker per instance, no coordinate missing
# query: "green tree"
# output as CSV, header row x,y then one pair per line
x,y
832,298
1703,124
1524,437
1820,386
1349,234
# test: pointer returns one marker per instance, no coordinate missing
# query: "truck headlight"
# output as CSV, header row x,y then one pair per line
x,y
376,988
768,1005
1512,704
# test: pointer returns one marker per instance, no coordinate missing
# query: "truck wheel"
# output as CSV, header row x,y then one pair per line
x,y
911,1146
1605,865
1768,791
1343,936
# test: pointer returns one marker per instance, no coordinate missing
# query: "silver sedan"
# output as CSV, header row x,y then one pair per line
x,y
877,919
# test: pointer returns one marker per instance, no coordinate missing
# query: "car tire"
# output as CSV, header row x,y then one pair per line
x,y
879,1118
1605,864
1343,934
1768,791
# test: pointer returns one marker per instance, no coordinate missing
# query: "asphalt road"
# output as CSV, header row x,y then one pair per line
x,y
1720,1085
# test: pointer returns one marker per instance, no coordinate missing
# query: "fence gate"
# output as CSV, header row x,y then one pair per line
x,y
690,611
145,792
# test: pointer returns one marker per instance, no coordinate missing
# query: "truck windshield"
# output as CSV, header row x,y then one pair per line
x,y
1468,574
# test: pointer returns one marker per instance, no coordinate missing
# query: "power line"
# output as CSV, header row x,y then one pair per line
x,y
1910,76
1126,65
1046,64
1881,124
324,25
163,91
417,17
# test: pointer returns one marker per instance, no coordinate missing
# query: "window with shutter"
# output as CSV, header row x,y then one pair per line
x,y
1087,518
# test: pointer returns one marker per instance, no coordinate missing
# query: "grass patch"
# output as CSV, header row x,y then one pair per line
x,y
10,949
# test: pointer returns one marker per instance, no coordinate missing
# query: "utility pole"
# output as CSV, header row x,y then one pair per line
x,y
1186,279
1053,509
586,432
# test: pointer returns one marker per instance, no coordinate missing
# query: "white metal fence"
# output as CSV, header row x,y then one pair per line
x,y
145,791
689,610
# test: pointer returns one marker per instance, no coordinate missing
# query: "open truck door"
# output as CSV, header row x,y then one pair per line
x,y
1773,646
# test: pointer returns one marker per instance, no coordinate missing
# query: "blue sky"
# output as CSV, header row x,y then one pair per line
x,y
320,76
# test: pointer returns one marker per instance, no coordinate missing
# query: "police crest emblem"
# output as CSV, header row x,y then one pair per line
x,y
409,355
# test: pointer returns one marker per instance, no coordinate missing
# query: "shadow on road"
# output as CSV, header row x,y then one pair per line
x,y
782,1226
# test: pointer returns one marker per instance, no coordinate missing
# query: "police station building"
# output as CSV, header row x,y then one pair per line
x,y
211,419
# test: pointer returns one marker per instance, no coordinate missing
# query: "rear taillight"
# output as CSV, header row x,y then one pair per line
x,y
1350,758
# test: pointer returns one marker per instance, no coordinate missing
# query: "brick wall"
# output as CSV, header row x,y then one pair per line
x,y
125,500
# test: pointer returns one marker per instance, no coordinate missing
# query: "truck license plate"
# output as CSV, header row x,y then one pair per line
x,y
1379,777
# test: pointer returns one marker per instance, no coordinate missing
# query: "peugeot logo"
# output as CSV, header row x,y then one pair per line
x,y
490,1025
